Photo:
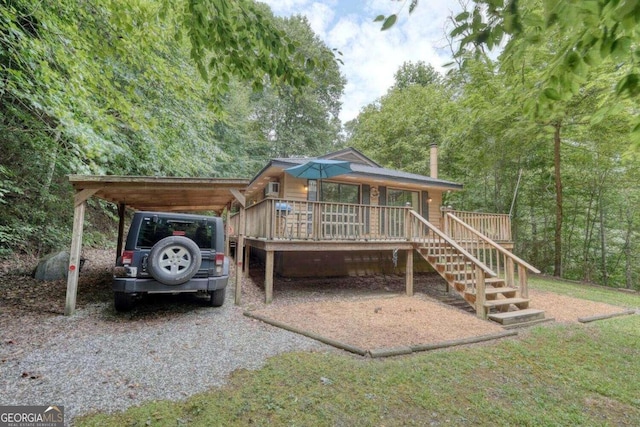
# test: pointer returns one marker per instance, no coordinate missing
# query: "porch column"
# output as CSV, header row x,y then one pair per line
x,y
408,280
76,249
268,278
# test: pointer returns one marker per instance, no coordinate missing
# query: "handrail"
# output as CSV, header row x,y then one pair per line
x,y
494,225
498,247
455,245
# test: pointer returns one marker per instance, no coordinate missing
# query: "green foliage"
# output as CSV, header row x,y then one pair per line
x,y
398,129
591,32
116,87
303,122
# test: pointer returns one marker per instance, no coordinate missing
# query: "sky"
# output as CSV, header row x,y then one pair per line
x,y
371,57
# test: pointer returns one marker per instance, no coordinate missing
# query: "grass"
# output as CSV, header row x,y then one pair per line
x,y
548,376
588,292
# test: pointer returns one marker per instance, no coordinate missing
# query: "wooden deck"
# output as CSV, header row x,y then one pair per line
x,y
479,266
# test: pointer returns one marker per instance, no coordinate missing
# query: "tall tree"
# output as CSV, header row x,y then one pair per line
x,y
398,129
305,121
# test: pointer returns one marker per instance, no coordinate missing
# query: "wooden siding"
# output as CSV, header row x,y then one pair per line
x,y
435,215
293,188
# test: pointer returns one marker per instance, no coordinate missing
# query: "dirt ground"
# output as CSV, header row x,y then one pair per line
x,y
368,312
373,312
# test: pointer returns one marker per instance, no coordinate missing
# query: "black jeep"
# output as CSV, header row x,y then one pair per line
x,y
171,253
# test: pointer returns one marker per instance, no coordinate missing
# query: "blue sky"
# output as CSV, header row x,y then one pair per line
x,y
371,57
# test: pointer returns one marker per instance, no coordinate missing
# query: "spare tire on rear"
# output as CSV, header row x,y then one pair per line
x,y
174,260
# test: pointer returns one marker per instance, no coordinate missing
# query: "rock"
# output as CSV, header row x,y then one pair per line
x,y
53,267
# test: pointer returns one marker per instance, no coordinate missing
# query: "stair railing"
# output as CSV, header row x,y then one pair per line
x,y
436,243
507,265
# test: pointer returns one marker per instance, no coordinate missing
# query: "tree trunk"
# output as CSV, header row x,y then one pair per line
x,y
628,260
557,262
603,242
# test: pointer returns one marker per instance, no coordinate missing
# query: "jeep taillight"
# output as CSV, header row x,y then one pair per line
x,y
219,259
127,257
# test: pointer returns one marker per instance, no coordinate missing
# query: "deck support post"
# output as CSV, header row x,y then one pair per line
x,y
268,278
408,280
247,254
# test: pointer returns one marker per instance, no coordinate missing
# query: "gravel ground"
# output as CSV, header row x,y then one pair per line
x,y
98,360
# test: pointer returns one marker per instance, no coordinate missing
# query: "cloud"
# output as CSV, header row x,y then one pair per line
x,y
371,57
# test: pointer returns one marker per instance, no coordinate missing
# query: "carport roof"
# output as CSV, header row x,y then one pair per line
x,y
161,193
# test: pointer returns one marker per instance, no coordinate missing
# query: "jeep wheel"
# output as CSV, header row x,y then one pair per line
x,y
174,260
122,301
217,298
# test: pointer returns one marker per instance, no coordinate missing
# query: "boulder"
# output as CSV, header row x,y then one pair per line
x,y
53,267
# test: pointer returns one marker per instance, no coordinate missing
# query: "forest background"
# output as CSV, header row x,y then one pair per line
x,y
161,89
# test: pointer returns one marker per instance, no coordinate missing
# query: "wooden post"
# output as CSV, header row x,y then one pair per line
x,y
509,273
239,243
316,219
408,281
522,279
121,212
247,254
76,249
240,255
227,235
481,311
268,278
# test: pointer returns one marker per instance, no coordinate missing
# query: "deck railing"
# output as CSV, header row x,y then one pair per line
x,y
280,219
495,226
504,263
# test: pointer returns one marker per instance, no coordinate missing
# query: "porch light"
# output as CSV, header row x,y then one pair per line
x,y
429,200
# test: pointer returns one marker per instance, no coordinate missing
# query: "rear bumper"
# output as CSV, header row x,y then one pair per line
x,y
131,285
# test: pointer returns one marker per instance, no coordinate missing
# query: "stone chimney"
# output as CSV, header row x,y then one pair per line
x,y
433,161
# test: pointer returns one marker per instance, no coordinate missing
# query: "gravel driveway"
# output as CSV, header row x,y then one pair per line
x,y
100,361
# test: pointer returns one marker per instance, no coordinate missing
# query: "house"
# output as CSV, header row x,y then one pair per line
x,y
369,217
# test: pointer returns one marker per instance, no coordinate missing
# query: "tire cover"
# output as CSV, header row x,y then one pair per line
x,y
174,260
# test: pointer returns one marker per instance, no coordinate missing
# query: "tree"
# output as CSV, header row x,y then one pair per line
x,y
110,87
305,121
399,128
592,32
417,73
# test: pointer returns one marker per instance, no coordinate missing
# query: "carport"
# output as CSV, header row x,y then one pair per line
x,y
169,194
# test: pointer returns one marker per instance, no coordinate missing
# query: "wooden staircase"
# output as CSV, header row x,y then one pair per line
x,y
490,278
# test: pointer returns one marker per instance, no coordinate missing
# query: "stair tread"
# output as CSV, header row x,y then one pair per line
x,y
488,280
505,301
509,314
493,291
499,290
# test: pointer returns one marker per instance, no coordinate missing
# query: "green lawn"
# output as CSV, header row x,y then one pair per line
x,y
588,292
550,375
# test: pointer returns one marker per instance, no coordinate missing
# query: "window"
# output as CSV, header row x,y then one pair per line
x,y
402,197
339,193
153,230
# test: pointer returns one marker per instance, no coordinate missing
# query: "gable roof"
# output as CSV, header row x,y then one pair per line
x,y
350,155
